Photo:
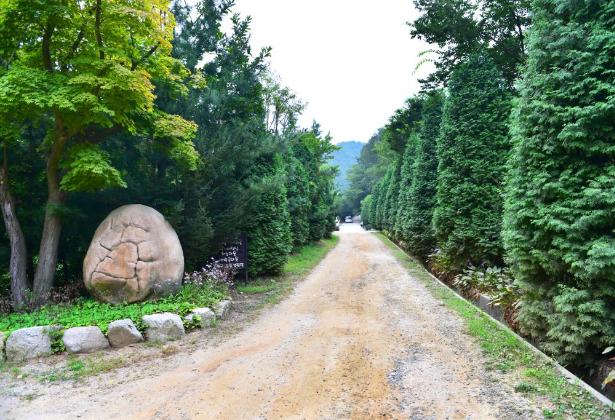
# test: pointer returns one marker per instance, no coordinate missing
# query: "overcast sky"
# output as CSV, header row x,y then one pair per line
x,y
351,60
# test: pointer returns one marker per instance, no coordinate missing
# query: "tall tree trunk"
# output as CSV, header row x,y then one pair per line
x,y
52,228
19,256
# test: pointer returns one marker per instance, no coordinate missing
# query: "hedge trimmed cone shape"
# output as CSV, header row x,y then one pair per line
x,y
559,227
135,254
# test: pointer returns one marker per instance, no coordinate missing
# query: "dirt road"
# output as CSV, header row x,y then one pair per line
x,y
359,338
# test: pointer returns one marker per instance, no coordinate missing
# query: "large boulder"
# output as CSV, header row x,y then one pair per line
x,y
28,343
135,254
163,327
84,340
123,333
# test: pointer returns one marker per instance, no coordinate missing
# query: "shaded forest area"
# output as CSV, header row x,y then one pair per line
x,y
106,103
500,173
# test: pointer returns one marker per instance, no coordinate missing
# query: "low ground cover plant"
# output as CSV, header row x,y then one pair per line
x,y
89,312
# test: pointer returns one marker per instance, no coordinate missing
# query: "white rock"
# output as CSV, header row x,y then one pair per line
x,y
206,316
2,338
223,308
84,340
28,343
123,333
163,327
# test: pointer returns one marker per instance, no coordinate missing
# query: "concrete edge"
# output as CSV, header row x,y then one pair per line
x,y
571,377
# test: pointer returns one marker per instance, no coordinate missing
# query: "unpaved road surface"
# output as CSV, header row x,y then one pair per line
x,y
359,338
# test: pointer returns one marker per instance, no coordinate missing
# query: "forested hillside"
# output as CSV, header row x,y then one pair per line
x,y
499,173
109,103
344,158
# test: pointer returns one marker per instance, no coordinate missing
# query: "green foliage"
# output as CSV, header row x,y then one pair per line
x,y
362,176
88,169
472,150
391,197
461,28
419,197
406,179
269,236
559,226
496,282
366,215
88,312
192,145
299,203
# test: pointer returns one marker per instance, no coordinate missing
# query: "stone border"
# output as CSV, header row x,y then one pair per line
x,y
486,301
34,342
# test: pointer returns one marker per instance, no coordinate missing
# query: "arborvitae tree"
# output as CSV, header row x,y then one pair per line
x,y
366,211
472,150
406,178
559,228
373,206
299,205
392,198
421,195
270,240
381,201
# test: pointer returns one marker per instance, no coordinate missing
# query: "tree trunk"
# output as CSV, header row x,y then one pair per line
x,y
52,228
19,256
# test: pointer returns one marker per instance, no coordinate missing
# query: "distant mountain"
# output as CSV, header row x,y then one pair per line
x,y
345,158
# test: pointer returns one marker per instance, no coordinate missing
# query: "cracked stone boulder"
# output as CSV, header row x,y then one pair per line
x,y
84,340
135,255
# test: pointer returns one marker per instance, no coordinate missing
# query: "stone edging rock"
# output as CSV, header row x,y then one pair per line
x,y
34,342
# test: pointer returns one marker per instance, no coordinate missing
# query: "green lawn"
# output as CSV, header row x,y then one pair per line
x,y
505,352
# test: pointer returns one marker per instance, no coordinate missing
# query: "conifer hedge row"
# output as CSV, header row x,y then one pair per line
x,y
533,189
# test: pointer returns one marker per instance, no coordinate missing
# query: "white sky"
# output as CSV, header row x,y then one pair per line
x,y
352,61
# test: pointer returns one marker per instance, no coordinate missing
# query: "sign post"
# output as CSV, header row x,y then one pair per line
x,y
234,255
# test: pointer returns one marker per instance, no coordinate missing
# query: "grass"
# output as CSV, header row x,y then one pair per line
x,y
89,312
76,368
297,266
506,353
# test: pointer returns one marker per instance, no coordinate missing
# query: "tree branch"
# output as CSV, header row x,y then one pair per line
x,y
147,55
74,47
46,46
97,23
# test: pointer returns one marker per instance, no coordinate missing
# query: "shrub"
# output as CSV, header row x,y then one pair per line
x,y
472,149
559,228
420,198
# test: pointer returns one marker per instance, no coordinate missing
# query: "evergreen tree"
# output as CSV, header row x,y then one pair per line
x,y
381,201
559,228
472,150
270,239
392,198
421,197
366,208
405,185
299,204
